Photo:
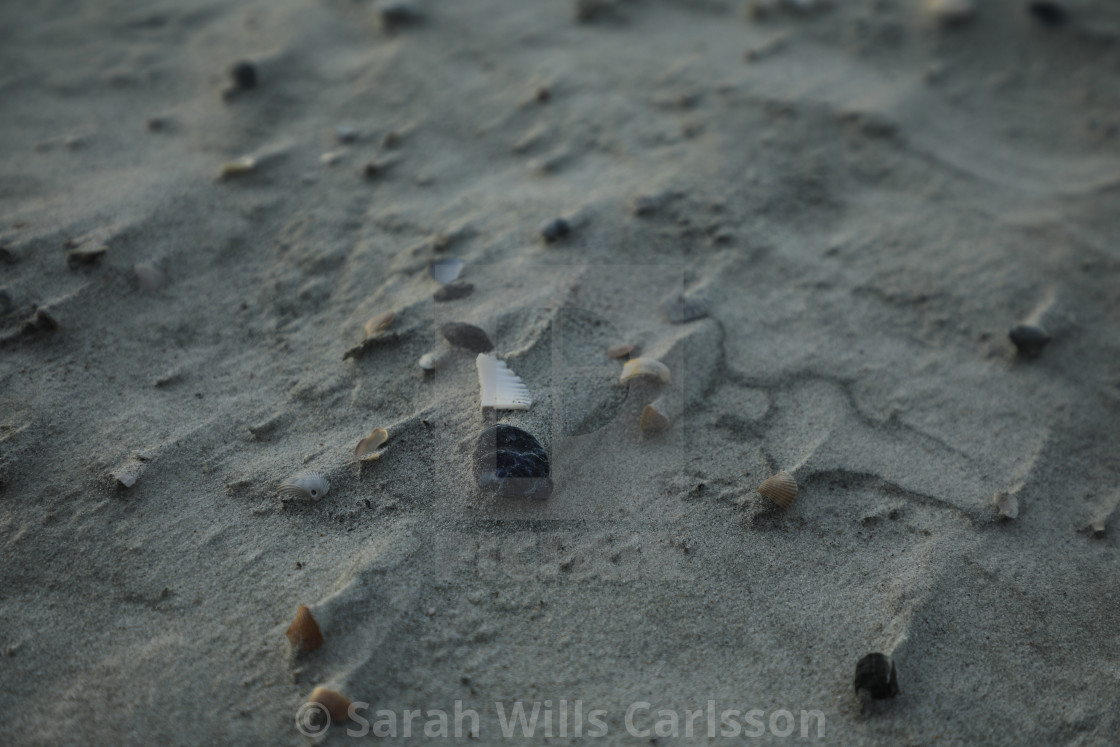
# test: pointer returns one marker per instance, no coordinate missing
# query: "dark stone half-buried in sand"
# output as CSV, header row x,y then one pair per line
x,y
512,463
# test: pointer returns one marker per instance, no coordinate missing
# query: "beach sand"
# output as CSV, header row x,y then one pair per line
x,y
857,202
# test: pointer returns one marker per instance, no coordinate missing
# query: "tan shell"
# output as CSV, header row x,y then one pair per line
x,y
337,704
366,450
621,350
304,633
238,166
652,420
380,323
636,367
781,489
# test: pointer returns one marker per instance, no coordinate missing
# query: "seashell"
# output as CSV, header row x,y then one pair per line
x,y
380,323
429,361
875,675
337,704
1007,505
453,291
304,633
512,463
621,350
244,75
445,271
1029,339
652,420
636,367
780,488
128,474
309,485
366,450
501,388
151,277
85,255
40,320
554,230
242,165
466,336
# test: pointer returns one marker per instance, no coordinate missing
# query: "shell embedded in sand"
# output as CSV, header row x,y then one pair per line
x,y
652,420
644,367
304,633
380,323
621,350
1007,505
366,450
86,255
309,485
875,675
242,165
781,489
337,704
501,389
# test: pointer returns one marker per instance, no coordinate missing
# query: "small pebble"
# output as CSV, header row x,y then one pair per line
x,y
1029,339
453,291
244,75
466,336
621,350
1049,14
554,230
875,676
394,13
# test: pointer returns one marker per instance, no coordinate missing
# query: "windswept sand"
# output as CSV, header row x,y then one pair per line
x,y
858,202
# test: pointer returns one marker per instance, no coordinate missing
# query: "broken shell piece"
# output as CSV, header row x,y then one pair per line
x,y
502,389
446,270
237,166
337,704
310,485
151,277
380,323
428,361
620,351
875,675
652,420
644,367
128,474
1007,505
85,255
304,633
366,450
466,336
781,489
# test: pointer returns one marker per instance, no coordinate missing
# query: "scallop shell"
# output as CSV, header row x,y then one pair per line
x,y
337,704
652,420
502,389
512,463
304,633
308,486
380,323
366,450
636,367
781,489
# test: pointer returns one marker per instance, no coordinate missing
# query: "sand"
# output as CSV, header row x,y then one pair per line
x,y
856,201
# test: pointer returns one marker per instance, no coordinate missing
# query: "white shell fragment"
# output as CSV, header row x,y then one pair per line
x,y
445,270
644,367
308,486
502,389
1007,505
237,166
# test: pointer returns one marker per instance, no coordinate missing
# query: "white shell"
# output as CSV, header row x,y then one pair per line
x,y
308,486
1007,505
501,388
636,367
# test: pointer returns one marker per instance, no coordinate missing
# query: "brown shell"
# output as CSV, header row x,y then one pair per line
x,y
304,632
336,703
781,489
380,323
652,421
621,350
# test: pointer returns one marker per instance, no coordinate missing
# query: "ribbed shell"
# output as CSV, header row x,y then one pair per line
x,y
308,486
501,388
781,489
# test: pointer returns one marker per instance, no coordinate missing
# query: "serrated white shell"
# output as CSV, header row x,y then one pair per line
x,y
636,367
308,486
501,388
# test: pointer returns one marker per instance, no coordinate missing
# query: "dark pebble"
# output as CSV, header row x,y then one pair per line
x,y
244,75
1029,339
466,336
554,230
875,675
512,463
454,291
1050,14
396,13
681,309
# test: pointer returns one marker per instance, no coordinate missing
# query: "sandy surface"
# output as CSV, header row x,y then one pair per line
x,y
858,204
